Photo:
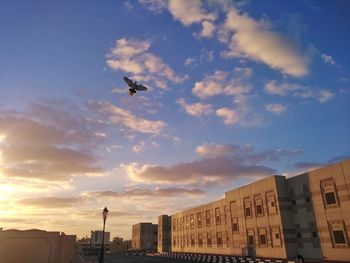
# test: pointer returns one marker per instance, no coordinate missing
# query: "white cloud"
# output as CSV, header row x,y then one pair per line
x,y
132,56
216,149
189,12
229,116
220,84
296,90
275,108
208,29
189,61
127,119
328,59
195,109
247,37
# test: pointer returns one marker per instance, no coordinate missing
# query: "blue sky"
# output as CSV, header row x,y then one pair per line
x,y
238,90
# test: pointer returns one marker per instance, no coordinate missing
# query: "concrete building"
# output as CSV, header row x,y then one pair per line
x,y
37,246
144,236
96,239
275,217
164,233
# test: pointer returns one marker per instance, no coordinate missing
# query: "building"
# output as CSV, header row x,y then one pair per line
x,y
275,217
144,236
119,245
83,245
164,233
96,239
37,246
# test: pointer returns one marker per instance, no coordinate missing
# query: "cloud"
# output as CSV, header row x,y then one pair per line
x,y
296,90
189,12
275,108
200,172
132,56
46,142
229,116
155,6
328,59
143,146
249,38
189,62
246,153
220,84
208,29
216,149
127,119
143,192
50,202
195,109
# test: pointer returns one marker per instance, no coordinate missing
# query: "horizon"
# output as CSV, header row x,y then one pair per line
x,y
237,91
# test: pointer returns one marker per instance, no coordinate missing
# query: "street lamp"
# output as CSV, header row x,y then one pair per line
x,y
102,252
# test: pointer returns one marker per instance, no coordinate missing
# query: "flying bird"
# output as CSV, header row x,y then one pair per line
x,y
134,86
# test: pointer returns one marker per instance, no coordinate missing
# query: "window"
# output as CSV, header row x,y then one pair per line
x,y
251,240
262,237
187,222
174,242
209,242
299,235
247,207
258,205
207,217
174,224
293,202
199,219
250,237
329,193
271,203
338,233
192,240
191,221
308,200
314,234
219,239
217,216
200,240
275,234
234,225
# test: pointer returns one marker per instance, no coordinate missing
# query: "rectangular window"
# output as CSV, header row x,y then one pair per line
x,y
200,240
199,219
247,207
217,216
191,221
250,240
209,242
258,205
275,234
329,193
192,241
338,233
207,217
234,225
174,224
262,239
187,222
219,239
271,203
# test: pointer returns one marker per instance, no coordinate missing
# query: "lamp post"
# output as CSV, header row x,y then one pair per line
x,y
102,252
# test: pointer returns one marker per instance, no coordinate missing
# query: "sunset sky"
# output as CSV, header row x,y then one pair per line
x,y
238,90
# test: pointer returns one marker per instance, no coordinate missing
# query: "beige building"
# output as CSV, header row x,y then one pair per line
x,y
275,217
36,246
144,236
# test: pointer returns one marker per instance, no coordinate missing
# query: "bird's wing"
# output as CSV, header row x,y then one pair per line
x,y
140,87
129,82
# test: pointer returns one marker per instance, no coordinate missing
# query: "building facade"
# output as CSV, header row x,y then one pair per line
x,y
144,236
164,233
37,246
96,239
275,217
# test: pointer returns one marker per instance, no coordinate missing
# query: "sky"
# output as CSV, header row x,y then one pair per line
x,y
237,91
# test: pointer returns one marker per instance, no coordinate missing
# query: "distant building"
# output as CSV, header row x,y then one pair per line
x,y
275,217
83,245
37,246
96,239
164,233
144,236
119,245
